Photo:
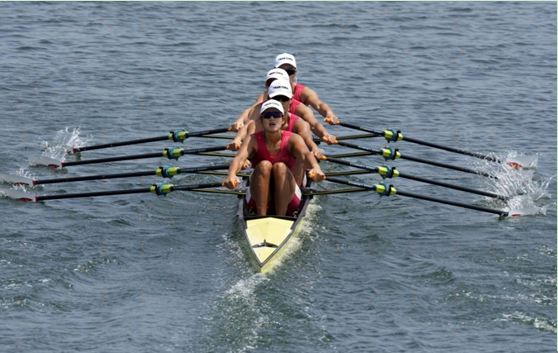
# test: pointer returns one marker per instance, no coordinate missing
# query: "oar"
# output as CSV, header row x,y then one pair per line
x,y
396,135
170,153
390,190
165,172
392,172
176,136
393,153
159,189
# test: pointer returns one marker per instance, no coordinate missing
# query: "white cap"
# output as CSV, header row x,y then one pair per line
x,y
276,73
280,88
285,58
272,104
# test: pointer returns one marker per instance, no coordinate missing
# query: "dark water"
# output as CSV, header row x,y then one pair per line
x,y
146,274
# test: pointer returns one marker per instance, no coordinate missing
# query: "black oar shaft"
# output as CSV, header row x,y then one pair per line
x,y
420,160
148,139
141,156
92,194
113,159
121,143
424,197
128,174
453,203
447,166
451,149
93,177
356,127
170,187
417,178
452,186
429,144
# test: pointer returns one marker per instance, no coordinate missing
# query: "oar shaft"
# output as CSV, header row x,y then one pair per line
x,y
420,160
121,143
91,194
141,156
93,177
130,174
424,197
417,178
152,189
113,159
452,186
451,149
447,166
356,127
426,143
453,203
168,136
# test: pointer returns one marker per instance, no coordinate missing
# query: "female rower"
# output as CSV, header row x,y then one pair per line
x,y
279,90
303,93
296,107
277,157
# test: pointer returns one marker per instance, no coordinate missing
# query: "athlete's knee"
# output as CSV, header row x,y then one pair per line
x,y
264,167
280,167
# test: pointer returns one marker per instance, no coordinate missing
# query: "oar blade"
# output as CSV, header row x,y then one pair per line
x,y
15,179
45,161
19,195
522,162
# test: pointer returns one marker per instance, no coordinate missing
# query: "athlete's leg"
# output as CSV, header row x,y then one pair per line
x,y
284,188
259,186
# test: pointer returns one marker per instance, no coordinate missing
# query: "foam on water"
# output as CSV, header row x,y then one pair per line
x,y
57,149
542,324
526,190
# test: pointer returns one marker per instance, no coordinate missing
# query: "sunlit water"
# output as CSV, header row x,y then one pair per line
x,y
141,273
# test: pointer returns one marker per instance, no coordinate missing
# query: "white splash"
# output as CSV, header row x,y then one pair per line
x,y
62,142
527,192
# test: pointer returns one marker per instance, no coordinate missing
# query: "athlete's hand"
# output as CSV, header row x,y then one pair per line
x,y
329,139
331,119
246,164
316,174
234,145
319,154
231,182
237,125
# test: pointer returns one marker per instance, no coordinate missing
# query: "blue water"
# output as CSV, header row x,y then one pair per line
x,y
139,273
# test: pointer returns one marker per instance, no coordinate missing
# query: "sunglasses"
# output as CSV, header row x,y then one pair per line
x,y
269,115
281,98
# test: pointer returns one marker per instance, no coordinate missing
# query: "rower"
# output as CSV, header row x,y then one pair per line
x,y
276,155
296,107
279,90
303,93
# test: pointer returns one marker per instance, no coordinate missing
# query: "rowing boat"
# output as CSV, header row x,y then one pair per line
x,y
268,237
